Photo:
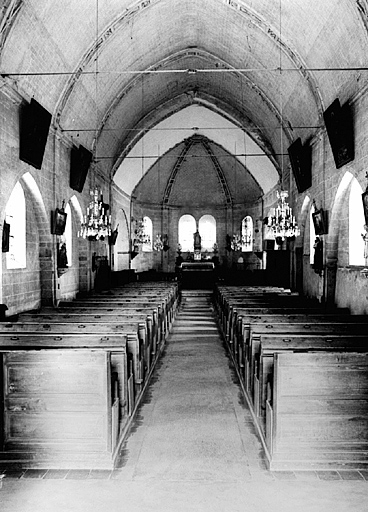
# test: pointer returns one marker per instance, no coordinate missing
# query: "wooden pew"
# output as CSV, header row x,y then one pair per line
x,y
247,322
105,311
317,418
231,327
94,316
138,345
63,399
276,343
136,319
123,307
252,339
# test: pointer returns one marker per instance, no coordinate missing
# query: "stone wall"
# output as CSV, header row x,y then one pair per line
x,y
45,189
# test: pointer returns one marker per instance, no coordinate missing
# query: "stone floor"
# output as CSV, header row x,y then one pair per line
x,y
193,447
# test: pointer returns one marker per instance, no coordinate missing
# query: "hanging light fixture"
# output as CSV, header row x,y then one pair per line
x,y
161,243
282,222
140,233
239,241
96,224
158,244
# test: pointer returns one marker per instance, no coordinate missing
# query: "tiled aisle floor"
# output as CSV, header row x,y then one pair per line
x,y
193,448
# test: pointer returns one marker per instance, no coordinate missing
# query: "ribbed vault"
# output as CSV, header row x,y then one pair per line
x,y
111,70
197,172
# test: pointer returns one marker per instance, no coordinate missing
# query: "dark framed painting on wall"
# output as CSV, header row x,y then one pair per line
x,y
113,237
320,222
340,130
58,222
6,237
301,163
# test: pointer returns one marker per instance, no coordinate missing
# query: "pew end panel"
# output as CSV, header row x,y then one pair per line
x,y
59,408
318,415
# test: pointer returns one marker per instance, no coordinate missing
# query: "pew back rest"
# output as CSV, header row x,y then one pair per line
x,y
327,328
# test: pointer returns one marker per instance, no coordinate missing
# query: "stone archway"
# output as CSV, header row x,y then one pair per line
x,y
332,240
47,259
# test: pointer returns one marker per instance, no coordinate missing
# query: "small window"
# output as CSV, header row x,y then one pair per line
x,y
16,216
207,230
356,225
247,234
187,228
312,235
68,235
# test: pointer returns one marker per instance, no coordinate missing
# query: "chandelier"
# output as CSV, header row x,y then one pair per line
x,y
282,221
161,243
158,244
96,224
237,242
141,236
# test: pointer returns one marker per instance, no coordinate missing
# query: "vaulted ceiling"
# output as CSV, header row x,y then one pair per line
x,y
115,72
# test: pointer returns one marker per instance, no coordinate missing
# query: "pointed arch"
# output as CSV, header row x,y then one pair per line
x,y
356,225
338,213
15,214
40,251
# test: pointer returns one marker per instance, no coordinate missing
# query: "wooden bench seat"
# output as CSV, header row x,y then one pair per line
x,y
259,328
267,302
65,400
248,326
230,326
164,315
257,333
114,341
138,344
95,317
261,366
317,417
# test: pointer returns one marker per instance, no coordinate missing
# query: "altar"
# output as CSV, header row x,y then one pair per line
x,y
197,274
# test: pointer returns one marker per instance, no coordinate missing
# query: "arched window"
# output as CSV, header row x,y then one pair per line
x,y
356,225
312,235
207,230
187,228
247,234
16,216
148,231
68,235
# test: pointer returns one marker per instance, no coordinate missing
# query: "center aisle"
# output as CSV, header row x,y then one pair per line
x,y
194,448
194,428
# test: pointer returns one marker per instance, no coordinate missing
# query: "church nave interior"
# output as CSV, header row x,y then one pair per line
x,y
184,221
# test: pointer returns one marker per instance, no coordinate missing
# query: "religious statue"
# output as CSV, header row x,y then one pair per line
x,y
318,256
197,241
62,259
